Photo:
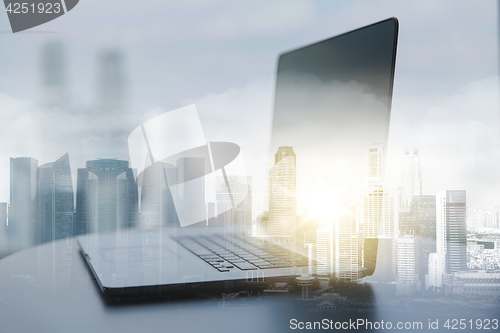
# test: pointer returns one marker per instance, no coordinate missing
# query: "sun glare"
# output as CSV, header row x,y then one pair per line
x,y
323,203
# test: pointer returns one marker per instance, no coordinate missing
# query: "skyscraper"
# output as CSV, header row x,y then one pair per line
x,y
380,213
107,197
53,75
407,265
325,257
347,245
375,176
451,232
111,84
189,195
55,203
436,270
4,236
379,204
22,202
283,195
157,205
238,216
411,178
423,213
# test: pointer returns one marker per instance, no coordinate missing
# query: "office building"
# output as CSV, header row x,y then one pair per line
x,y
283,196
375,175
3,213
106,198
234,217
420,220
4,236
380,213
423,211
479,219
338,247
436,270
55,203
111,84
347,245
22,221
189,194
451,236
53,75
325,257
407,265
379,204
157,205
496,217
473,283
411,177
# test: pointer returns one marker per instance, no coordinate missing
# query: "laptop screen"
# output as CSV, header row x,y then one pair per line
x,y
329,137
332,107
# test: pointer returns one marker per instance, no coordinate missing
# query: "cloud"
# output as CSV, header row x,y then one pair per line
x,y
242,116
48,133
458,138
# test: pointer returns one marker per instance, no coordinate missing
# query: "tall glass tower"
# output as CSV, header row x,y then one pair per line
x,y
236,217
4,239
22,202
53,75
411,177
347,245
107,197
451,237
283,195
55,203
111,84
379,209
157,205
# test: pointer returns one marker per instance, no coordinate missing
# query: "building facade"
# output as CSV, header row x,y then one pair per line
x,y
235,203
107,197
451,228
55,201
407,265
22,219
283,195
157,205
347,245
411,177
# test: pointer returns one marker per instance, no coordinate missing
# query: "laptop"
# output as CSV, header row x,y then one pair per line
x,y
332,100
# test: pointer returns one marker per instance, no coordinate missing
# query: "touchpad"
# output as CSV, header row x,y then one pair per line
x,y
139,253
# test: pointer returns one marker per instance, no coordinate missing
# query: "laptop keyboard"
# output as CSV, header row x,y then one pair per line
x,y
241,253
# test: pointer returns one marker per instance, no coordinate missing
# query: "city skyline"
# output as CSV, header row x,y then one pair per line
x,y
427,242
462,84
396,207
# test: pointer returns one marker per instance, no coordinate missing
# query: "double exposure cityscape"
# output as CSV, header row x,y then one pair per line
x,y
413,245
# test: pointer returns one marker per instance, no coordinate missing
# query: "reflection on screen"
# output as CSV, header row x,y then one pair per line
x,y
332,102
330,129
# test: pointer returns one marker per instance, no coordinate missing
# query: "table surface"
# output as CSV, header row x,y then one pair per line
x,y
49,288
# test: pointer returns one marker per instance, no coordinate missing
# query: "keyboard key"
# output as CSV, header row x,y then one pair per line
x,y
235,260
245,266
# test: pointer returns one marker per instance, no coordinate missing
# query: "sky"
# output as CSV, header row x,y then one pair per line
x,y
222,55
